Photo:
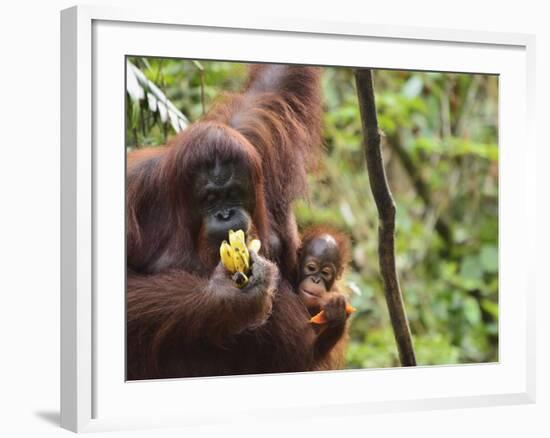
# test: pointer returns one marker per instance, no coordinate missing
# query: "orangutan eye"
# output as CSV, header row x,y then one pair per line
x,y
311,268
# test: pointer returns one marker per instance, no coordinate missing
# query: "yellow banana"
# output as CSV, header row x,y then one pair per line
x,y
239,261
237,242
235,256
226,256
245,256
236,236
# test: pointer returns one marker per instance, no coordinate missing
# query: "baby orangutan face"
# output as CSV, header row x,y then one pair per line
x,y
320,265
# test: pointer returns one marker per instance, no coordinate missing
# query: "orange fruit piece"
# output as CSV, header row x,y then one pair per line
x,y
321,318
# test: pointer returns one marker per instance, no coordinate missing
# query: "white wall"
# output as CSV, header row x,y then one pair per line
x,y
29,218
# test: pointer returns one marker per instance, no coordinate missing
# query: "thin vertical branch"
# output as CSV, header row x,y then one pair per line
x,y
386,215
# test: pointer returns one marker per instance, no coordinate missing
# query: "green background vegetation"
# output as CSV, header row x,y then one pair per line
x,y
440,149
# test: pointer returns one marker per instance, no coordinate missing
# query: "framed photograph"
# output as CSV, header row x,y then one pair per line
x,y
267,218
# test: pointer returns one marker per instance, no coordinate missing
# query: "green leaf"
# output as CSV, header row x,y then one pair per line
x,y
471,272
413,87
472,311
489,258
198,65
490,307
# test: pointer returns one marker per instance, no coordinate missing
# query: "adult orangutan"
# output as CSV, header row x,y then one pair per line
x,y
240,167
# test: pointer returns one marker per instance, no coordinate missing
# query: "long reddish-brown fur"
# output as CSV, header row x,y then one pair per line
x,y
180,321
280,114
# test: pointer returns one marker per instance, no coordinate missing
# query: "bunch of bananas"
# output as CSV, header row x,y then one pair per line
x,y
235,256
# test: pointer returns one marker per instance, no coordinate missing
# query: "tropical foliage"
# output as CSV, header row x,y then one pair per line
x,y
440,148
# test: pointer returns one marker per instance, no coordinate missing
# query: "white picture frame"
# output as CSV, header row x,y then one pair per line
x,y
93,395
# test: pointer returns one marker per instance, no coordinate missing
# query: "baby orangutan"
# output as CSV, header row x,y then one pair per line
x,y
322,258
